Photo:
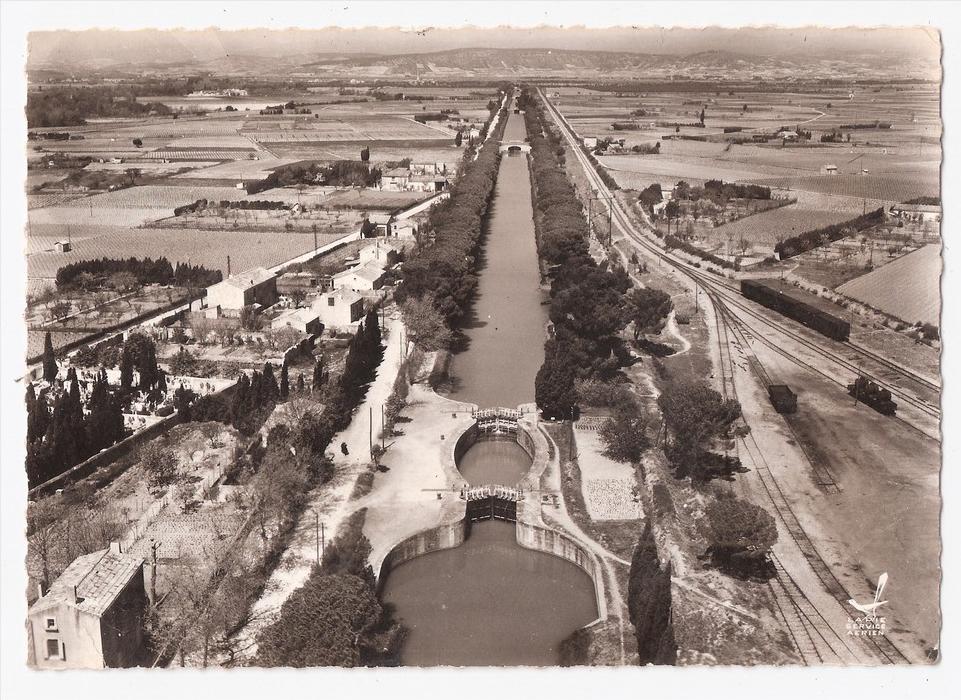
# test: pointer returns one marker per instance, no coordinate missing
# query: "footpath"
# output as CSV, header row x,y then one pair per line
x,y
328,504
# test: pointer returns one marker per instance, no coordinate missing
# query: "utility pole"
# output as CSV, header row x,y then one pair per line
x,y
610,222
382,428
323,541
317,537
370,430
153,572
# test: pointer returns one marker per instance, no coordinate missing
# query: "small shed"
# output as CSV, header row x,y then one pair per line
x,y
783,399
62,246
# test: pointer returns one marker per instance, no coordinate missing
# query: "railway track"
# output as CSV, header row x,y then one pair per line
x,y
731,295
812,633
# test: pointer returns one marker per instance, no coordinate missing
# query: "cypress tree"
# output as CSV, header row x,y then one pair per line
x,y
318,380
126,370
269,383
38,415
49,360
372,335
284,383
301,386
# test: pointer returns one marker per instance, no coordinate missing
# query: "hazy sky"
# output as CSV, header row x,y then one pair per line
x,y
108,45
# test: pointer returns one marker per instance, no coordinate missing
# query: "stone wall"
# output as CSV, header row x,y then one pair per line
x,y
445,536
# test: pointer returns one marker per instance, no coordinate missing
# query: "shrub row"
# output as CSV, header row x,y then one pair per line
x,y
803,242
444,264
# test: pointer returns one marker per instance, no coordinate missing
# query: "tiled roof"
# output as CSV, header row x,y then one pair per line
x,y
250,278
370,271
396,172
99,578
349,296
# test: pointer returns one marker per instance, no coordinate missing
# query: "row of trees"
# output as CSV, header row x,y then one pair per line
x,y
341,173
719,191
93,274
443,264
587,299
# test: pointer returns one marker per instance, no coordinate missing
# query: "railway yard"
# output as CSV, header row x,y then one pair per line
x,y
855,493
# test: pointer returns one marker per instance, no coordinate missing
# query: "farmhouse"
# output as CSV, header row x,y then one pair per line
x,y
62,246
366,277
829,169
923,213
92,616
427,183
339,308
303,320
788,135
590,142
395,179
254,286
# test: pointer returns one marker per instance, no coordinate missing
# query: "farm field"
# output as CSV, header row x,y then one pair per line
x,y
891,188
810,212
908,288
133,206
235,169
198,247
374,199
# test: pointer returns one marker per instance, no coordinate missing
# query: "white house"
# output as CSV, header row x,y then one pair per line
x,y
395,179
366,277
254,286
590,142
829,169
92,616
339,308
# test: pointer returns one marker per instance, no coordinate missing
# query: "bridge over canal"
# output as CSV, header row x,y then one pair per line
x,y
515,147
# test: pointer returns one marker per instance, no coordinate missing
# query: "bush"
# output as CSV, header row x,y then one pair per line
x,y
739,533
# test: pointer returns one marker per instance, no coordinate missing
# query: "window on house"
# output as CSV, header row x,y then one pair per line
x,y
53,648
330,301
51,623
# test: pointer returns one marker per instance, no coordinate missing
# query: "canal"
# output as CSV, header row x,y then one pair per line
x,y
491,602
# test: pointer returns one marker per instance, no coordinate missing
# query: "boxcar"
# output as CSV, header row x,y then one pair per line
x,y
804,308
783,399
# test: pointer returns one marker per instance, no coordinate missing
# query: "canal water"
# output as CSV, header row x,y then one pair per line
x,y
504,338
491,602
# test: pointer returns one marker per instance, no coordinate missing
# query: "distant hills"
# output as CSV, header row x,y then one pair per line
x,y
373,53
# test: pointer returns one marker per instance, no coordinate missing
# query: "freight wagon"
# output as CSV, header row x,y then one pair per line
x,y
866,391
804,308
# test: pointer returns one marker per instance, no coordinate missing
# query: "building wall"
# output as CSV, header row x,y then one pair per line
x,y
121,627
78,634
339,315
